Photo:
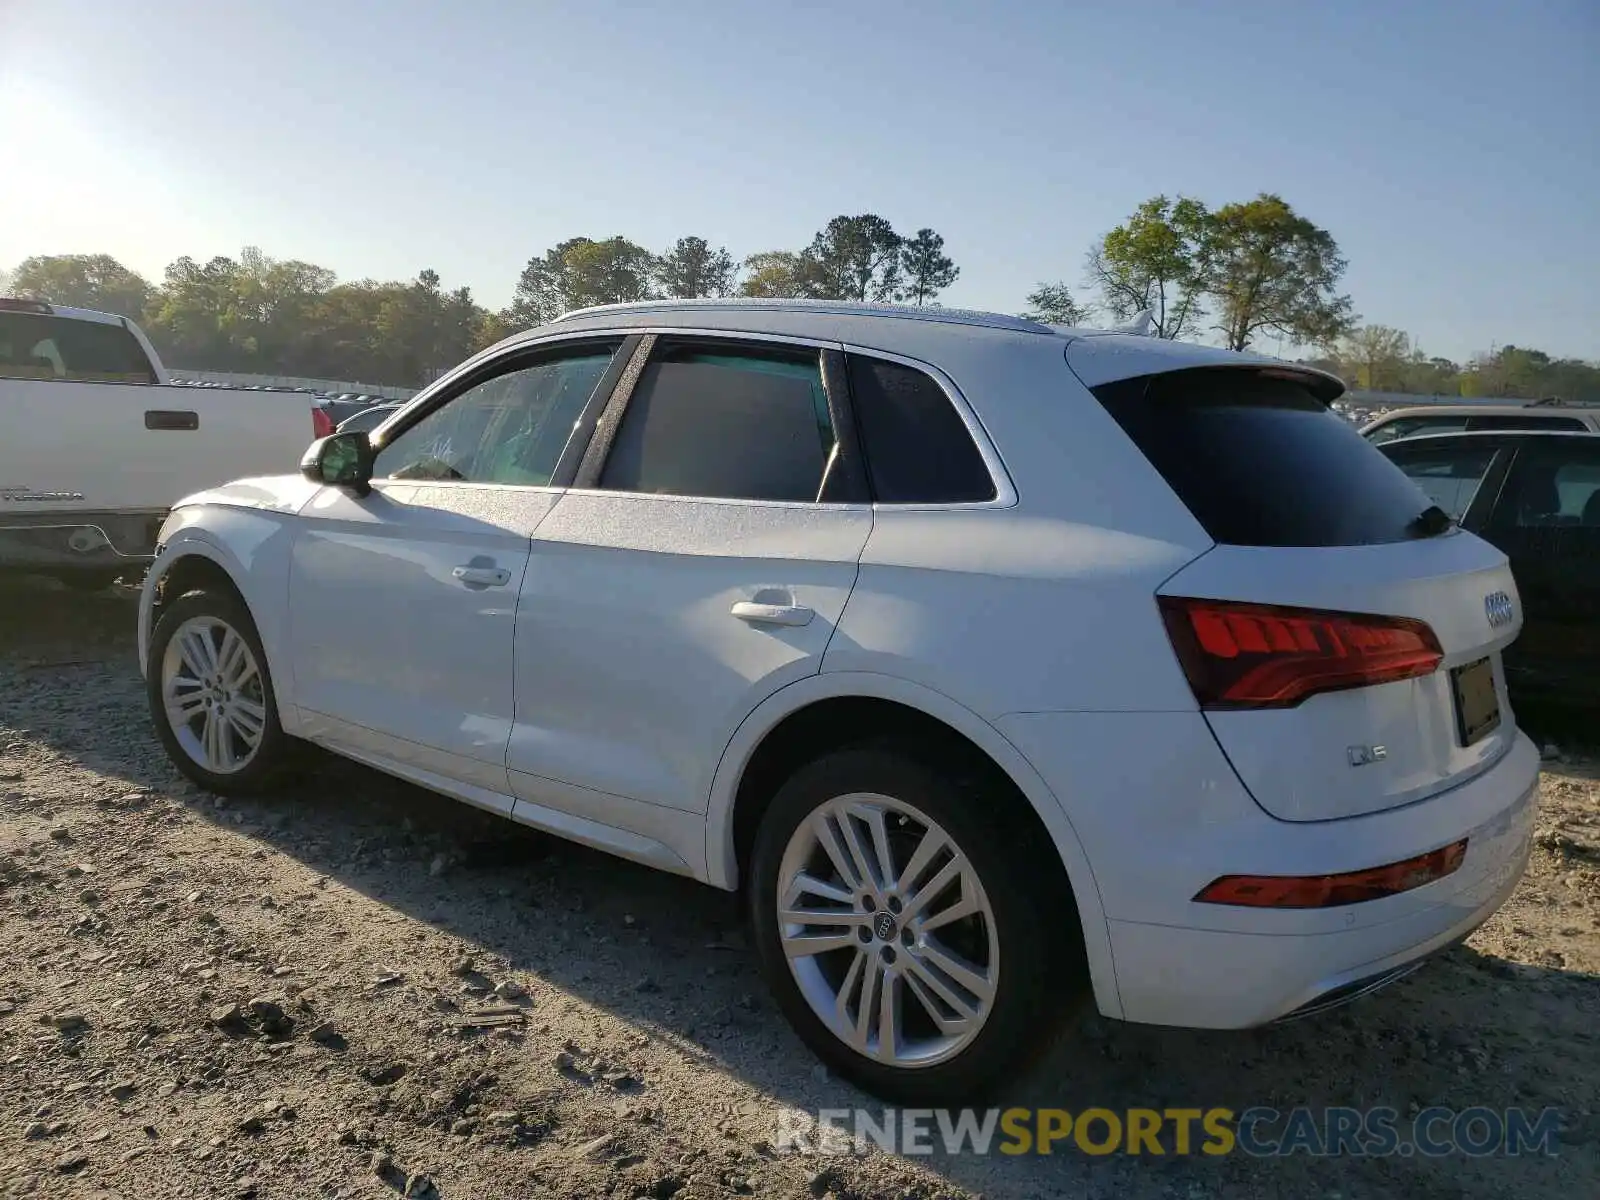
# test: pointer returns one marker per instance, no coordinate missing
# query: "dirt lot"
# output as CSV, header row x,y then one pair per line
x,y
433,1003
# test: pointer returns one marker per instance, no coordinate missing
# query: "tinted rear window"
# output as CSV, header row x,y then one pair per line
x,y
34,346
1263,462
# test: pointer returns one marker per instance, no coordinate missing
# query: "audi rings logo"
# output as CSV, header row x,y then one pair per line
x,y
1498,608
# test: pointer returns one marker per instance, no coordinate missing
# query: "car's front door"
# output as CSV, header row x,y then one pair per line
x,y
402,601
700,562
1547,520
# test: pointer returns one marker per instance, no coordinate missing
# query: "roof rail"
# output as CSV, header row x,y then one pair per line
x,y
1559,402
957,316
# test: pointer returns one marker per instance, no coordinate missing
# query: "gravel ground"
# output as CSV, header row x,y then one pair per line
x,y
361,989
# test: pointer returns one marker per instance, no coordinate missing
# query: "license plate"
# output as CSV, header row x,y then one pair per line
x,y
1477,704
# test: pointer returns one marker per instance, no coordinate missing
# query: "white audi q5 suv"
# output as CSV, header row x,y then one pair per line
x,y
1000,665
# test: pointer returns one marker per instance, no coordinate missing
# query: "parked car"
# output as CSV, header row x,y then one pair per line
x,y
1449,418
1536,496
95,444
369,419
1000,666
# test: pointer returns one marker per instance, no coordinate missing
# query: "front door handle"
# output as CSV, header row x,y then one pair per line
x,y
171,419
772,614
481,577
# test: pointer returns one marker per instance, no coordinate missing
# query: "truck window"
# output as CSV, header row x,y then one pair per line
x,y
35,346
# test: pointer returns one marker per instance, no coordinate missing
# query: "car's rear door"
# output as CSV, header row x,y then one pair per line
x,y
1547,520
700,562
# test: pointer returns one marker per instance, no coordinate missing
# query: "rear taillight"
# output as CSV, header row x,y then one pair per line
x,y
321,423
1330,891
1268,656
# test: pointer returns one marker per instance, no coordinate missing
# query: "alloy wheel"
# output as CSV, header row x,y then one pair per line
x,y
887,930
213,694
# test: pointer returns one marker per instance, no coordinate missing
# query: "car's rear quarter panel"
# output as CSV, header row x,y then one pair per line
x,y
1048,605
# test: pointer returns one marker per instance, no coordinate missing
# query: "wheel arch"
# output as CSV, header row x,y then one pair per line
x,y
840,700
192,557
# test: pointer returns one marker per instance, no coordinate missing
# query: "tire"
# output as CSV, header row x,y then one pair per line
x,y
245,700
1021,941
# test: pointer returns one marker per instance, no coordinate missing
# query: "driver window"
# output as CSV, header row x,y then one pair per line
x,y
508,429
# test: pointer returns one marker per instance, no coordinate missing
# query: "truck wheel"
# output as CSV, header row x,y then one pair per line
x,y
211,697
915,948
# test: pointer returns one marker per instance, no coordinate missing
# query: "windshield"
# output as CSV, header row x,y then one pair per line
x,y
35,346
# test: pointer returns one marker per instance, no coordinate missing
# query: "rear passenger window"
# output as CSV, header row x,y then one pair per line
x,y
725,424
917,448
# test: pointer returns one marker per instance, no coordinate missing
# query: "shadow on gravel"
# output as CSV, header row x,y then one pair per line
x,y
670,956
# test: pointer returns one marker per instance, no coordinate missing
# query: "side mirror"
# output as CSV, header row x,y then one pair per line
x,y
340,460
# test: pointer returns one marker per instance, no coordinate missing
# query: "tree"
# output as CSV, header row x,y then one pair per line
x,y
577,273
782,275
1155,260
1517,372
1052,303
1269,268
692,269
195,319
925,268
856,258
95,281
1375,357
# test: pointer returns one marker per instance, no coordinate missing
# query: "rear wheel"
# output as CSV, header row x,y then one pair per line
x,y
211,696
915,948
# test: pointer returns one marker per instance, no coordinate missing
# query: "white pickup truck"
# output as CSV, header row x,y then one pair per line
x,y
96,445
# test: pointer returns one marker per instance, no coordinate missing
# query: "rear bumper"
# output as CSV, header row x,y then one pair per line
x,y
1225,979
77,541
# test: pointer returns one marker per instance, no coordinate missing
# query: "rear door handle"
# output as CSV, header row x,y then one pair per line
x,y
772,614
171,419
481,577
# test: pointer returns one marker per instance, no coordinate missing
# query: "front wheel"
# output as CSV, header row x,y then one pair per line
x,y
211,696
915,946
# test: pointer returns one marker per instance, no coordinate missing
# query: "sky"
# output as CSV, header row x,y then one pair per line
x,y
1452,147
